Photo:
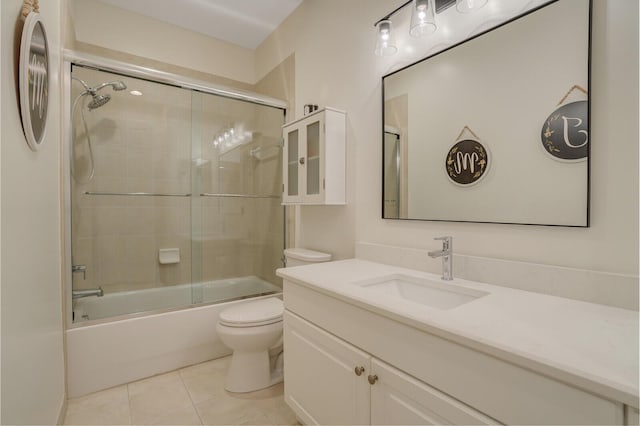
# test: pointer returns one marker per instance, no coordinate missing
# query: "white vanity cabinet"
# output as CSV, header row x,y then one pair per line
x,y
329,381
418,377
321,383
314,159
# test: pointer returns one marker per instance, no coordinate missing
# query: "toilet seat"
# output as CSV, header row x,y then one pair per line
x,y
253,314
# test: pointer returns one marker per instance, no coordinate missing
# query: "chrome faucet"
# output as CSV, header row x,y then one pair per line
x,y
77,294
447,257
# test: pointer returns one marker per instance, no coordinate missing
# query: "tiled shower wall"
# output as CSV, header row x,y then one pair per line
x,y
144,144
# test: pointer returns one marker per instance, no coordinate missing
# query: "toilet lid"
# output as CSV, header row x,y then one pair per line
x,y
258,312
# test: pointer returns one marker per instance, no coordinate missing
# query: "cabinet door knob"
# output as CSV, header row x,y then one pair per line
x,y
359,371
372,379
301,160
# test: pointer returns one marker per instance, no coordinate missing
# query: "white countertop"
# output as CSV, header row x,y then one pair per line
x,y
594,347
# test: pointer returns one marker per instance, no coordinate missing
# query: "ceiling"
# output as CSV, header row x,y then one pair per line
x,y
242,22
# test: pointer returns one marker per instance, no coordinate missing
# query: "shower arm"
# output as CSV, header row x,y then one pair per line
x,y
86,87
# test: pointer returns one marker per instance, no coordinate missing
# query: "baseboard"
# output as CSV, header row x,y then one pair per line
x,y
63,410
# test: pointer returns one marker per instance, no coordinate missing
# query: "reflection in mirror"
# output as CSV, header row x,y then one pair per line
x,y
391,173
494,129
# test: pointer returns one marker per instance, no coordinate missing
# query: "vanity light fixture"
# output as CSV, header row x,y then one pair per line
x,y
423,20
384,44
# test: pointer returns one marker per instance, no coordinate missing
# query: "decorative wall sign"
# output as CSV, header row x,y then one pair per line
x,y
34,80
467,161
565,133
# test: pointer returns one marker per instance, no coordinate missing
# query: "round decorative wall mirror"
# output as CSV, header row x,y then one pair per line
x,y
34,80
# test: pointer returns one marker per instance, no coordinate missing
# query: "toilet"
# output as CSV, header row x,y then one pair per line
x,y
253,330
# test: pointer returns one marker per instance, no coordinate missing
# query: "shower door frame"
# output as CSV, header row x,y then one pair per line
x,y
71,58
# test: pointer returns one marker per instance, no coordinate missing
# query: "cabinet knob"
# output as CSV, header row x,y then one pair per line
x,y
359,371
372,379
301,160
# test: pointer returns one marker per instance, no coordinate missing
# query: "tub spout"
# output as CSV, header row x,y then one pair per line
x,y
77,294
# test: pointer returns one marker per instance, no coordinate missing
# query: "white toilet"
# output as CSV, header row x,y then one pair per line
x,y
253,330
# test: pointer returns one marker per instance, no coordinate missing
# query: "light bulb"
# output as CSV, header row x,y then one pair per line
x,y
423,20
384,43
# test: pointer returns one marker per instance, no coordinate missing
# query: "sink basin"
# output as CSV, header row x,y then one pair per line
x,y
435,294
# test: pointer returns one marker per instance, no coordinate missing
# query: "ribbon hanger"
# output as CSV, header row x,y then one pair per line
x,y
575,87
468,130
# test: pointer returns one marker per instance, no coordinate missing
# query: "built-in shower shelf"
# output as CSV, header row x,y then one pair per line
x,y
136,194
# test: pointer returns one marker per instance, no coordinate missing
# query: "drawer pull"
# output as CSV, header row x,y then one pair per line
x,y
302,160
359,371
372,379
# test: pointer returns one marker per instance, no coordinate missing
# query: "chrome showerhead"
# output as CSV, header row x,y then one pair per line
x,y
119,85
115,85
98,101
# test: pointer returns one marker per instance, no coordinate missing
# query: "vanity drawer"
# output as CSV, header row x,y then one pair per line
x,y
507,392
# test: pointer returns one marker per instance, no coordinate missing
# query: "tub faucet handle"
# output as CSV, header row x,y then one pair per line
x,y
80,268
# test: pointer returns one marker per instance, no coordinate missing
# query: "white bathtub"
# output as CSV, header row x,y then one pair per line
x,y
162,298
107,354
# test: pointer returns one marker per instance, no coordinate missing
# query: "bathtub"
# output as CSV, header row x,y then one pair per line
x,y
128,347
113,305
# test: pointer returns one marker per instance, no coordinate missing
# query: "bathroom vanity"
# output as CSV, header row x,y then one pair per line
x,y
368,343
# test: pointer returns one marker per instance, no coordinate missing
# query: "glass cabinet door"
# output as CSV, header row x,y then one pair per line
x,y
313,158
292,163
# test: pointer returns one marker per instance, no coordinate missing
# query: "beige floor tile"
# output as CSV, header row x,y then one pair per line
x,y
228,410
161,400
263,394
281,415
205,381
108,407
265,406
179,416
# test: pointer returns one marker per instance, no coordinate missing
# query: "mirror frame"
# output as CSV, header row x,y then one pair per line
x,y
453,46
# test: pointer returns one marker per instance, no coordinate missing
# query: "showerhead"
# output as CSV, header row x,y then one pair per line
x,y
98,101
115,85
119,85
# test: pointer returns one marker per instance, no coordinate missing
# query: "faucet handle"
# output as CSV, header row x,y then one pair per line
x,y
447,242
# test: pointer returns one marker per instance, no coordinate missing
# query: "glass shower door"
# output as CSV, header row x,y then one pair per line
x,y
130,188
237,216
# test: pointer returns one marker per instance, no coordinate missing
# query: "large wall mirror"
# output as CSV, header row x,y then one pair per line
x,y
496,128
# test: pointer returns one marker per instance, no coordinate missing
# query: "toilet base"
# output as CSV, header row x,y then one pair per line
x,y
251,371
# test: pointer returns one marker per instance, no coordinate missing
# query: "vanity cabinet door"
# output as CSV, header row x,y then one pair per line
x,y
397,398
321,384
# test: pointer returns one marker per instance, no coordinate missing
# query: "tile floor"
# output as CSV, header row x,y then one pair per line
x,y
191,396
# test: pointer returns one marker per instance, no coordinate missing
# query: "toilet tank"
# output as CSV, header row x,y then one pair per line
x,y
300,256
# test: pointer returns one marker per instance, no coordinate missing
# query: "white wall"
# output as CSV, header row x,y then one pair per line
x,y
33,387
106,26
333,41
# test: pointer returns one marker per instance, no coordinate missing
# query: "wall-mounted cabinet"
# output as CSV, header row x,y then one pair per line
x,y
314,159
